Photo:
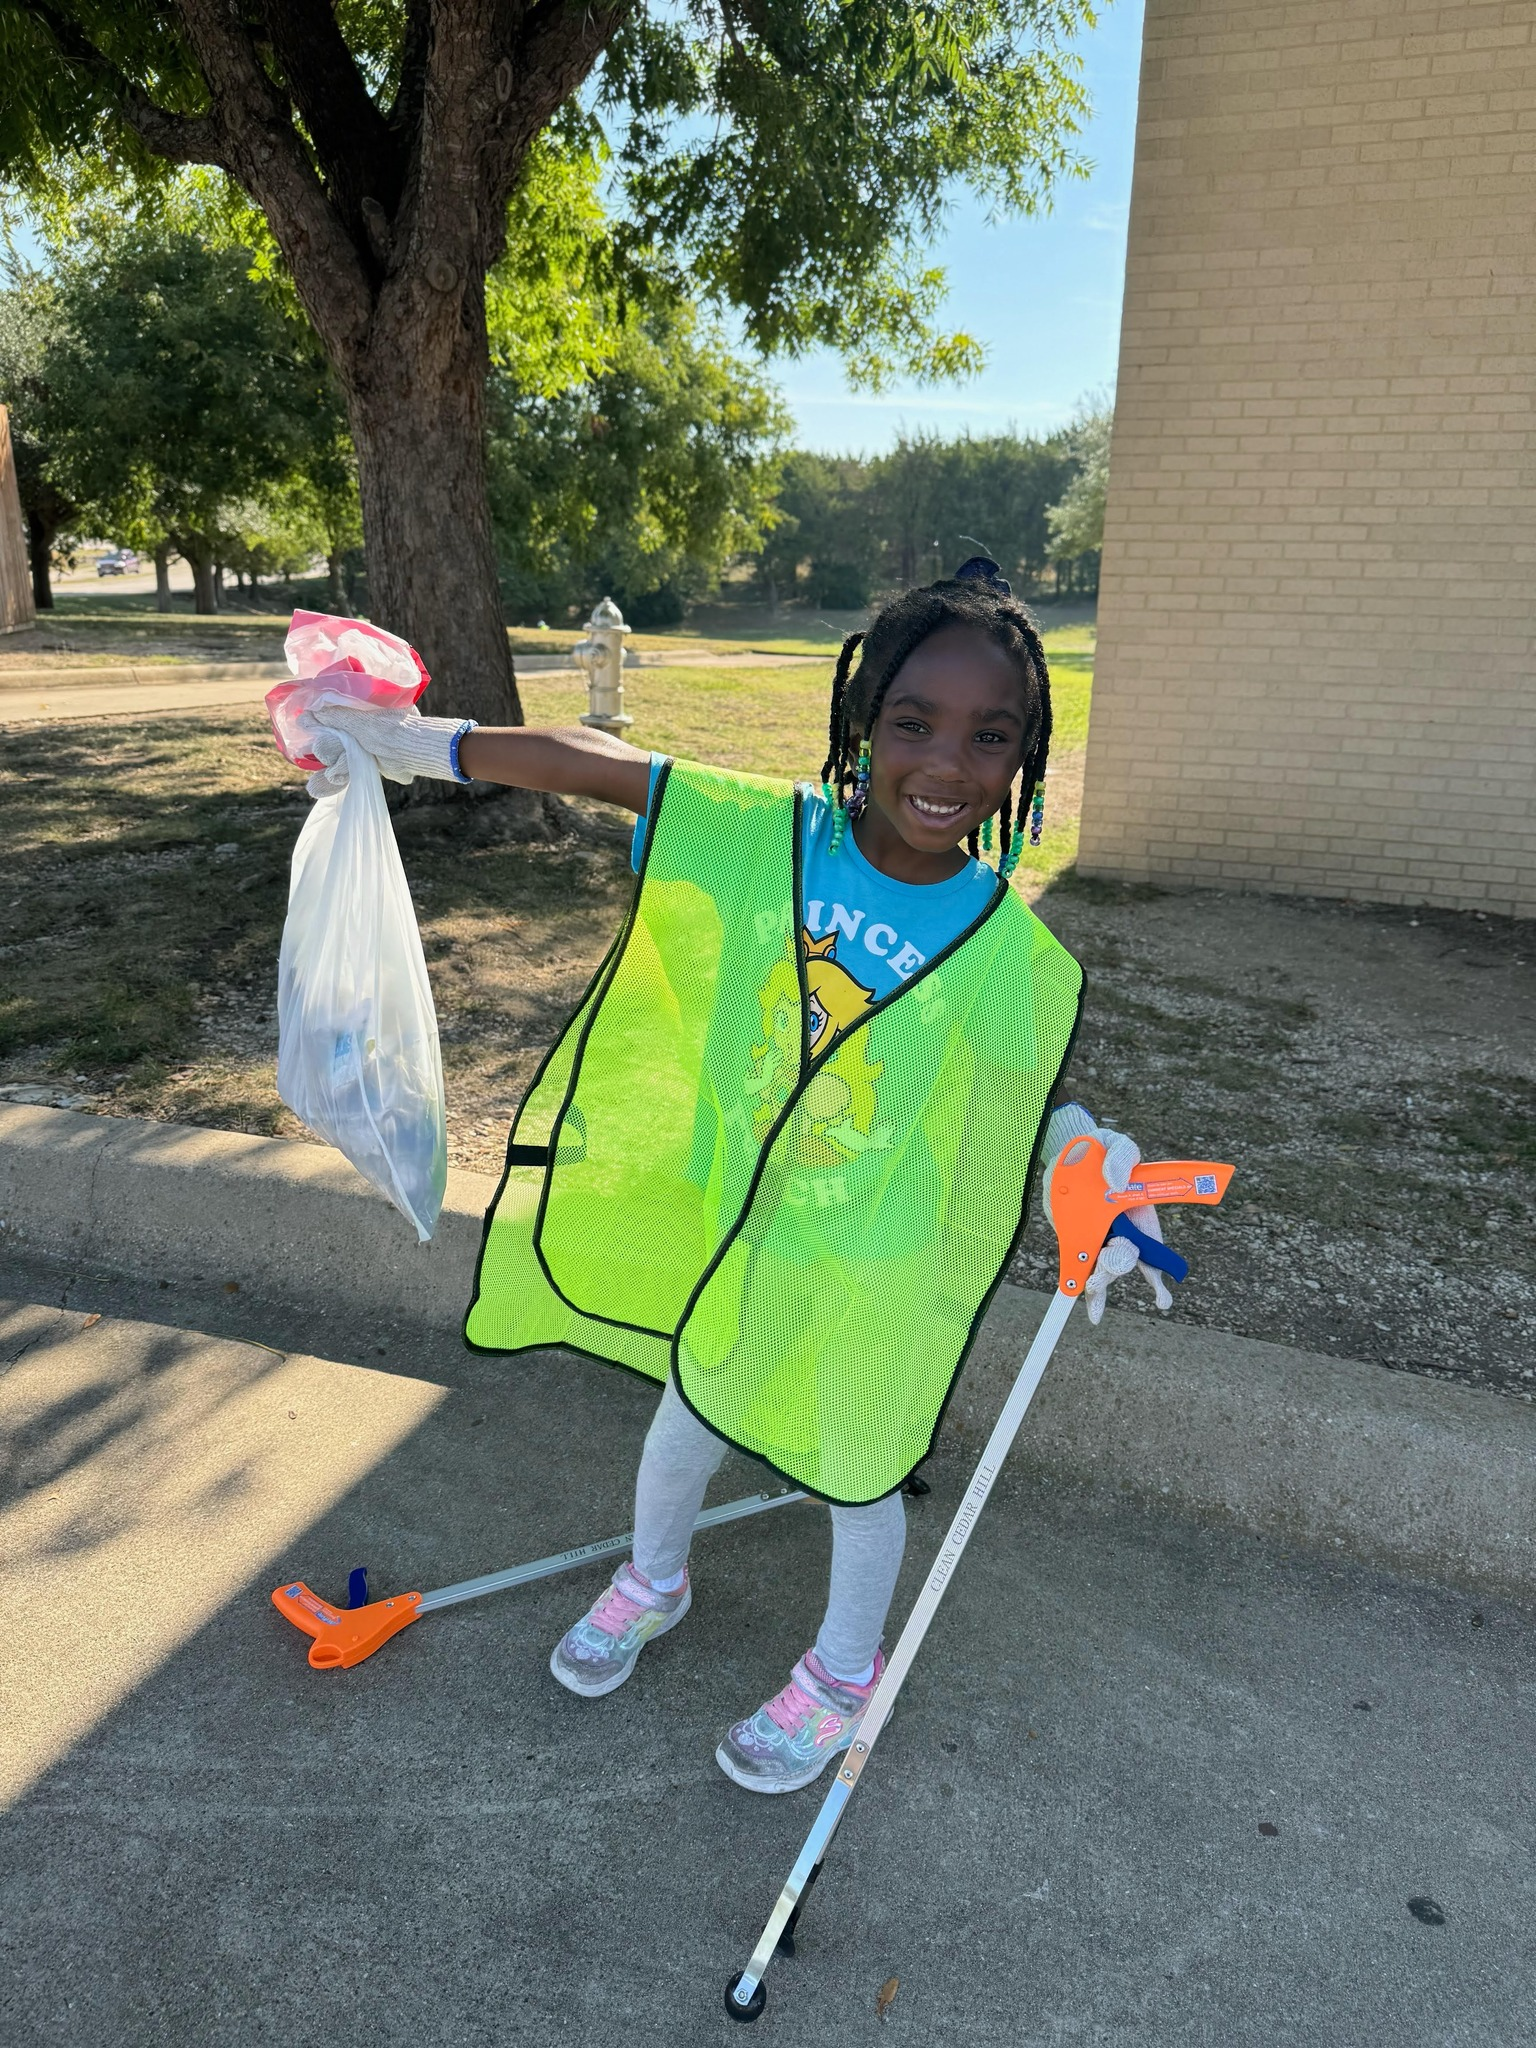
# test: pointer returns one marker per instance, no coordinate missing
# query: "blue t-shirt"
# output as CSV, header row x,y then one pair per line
x,y
877,930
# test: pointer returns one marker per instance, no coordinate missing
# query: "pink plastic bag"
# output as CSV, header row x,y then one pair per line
x,y
340,657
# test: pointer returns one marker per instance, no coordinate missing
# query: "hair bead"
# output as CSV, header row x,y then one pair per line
x,y
860,795
1037,813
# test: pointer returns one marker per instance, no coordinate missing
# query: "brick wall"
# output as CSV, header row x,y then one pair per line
x,y
1316,619
15,576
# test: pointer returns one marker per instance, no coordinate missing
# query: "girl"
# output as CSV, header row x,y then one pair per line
x,y
779,1158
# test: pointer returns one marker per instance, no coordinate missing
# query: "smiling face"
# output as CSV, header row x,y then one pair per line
x,y
949,740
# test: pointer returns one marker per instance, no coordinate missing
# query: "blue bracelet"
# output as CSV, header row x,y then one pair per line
x,y
469,725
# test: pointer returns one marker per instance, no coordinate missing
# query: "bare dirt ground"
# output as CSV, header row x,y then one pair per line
x,y
1371,1071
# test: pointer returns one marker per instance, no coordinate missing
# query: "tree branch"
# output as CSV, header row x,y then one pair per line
x,y
179,138
551,54
270,161
358,154
415,44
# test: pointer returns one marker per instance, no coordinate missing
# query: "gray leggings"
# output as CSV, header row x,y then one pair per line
x,y
681,1457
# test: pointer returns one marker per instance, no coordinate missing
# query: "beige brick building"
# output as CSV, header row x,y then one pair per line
x,y
15,576
1317,624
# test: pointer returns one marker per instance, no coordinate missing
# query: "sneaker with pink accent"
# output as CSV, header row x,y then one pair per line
x,y
599,1653
791,1739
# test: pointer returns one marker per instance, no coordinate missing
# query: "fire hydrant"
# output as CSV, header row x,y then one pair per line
x,y
601,654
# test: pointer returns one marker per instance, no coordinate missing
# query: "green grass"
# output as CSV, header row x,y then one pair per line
x,y
103,625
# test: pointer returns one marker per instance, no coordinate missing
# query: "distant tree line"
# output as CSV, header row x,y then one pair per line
x,y
848,528
168,393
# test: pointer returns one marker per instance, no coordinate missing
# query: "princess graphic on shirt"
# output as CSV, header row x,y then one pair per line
x,y
837,1110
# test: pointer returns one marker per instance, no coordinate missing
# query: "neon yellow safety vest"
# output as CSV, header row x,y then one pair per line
x,y
736,1167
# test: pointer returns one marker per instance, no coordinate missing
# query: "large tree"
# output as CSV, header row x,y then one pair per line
x,y
29,327
791,157
177,392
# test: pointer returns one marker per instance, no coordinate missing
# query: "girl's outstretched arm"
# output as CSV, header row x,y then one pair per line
x,y
573,761
578,761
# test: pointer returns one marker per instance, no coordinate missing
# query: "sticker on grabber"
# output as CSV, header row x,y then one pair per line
x,y
1166,1190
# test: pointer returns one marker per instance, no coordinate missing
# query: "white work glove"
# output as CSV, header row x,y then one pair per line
x,y
403,743
1122,1156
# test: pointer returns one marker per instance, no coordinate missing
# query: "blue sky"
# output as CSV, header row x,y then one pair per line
x,y
1043,295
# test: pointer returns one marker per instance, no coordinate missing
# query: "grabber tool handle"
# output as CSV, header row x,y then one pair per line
x,y
1151,1250
1083,1208
745,1995
344,1636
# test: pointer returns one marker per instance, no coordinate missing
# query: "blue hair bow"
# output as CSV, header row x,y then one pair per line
x,y
982,569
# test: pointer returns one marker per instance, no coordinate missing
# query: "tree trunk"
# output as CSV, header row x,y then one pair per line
x,y
335,588
426,509
193,549
40,547
163,577
218,586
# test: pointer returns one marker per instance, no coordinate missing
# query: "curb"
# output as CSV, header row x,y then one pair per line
x,y
1426,1479
141,675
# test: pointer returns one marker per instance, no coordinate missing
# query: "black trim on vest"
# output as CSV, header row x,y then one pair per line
x,y
796,946
544,1154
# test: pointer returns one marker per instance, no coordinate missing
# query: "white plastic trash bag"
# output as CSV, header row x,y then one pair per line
x,y
357,1052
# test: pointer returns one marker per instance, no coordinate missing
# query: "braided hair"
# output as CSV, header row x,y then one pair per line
x,y
976,596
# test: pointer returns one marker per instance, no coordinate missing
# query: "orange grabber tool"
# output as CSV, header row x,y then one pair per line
x,y
344,1636
1085,1212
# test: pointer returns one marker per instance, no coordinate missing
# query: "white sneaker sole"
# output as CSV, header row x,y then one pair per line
x,y
599,1687
738,1776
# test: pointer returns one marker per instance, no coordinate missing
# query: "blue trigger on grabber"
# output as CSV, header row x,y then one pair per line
x,y
357,1586
1150,1251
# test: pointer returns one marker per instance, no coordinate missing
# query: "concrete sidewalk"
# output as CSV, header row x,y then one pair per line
x,y
55,696
1424,1478
1149,1783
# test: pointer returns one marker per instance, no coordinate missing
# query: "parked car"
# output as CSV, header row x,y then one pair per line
x,y
119,563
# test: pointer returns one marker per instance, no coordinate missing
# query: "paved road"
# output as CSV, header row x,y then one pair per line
x,y
80,582
1150,1783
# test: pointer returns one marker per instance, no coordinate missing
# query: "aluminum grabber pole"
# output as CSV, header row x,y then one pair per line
x,y
344,1636
1085,1213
